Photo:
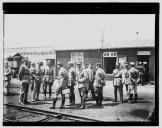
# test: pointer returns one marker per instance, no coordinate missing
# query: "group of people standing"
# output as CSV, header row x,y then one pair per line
x,y
131,75
85,77
89,79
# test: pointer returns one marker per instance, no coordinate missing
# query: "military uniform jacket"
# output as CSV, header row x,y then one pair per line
x,y
133,75
125,77
32,73
24,74
63,78
117,74
90,74
38,74
7,74
99,78
82,78
48,74
71,76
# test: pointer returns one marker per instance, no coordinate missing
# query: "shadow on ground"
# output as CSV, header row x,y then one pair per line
x,y
140,113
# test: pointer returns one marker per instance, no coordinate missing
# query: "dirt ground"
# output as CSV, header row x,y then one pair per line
x,y
110,111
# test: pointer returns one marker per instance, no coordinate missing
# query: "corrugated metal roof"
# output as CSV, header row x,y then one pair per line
x,y
130,44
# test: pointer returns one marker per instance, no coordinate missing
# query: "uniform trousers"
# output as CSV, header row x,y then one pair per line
x,y
132,88
49,84
36,90
23,92
72,95
120,89
99,94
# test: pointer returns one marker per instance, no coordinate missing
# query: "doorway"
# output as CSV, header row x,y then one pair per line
x,y
145,61
109,64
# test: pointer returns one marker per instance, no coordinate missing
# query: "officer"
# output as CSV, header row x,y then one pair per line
x,y
117,82
71,83
63,84
141,70
32,72
7,78
99,83
134,80
48,78
24,77
37,82
91,75
82,81
125,77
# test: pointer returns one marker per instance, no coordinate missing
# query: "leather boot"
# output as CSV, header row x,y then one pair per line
x,y
135,100
63,103
83,103
130,98
54,103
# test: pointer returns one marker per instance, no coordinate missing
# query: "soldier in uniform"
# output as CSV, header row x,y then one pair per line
x,y
48,79
91,75
71,82
141,70
7,78
82,82
125,77
24,77
32,72
99,83
134,80
63,84
117,82
37,82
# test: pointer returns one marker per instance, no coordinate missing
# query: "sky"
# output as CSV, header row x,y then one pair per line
x,y
75,30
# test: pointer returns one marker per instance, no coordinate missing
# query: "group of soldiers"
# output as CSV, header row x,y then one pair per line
x,y
131,75
89,79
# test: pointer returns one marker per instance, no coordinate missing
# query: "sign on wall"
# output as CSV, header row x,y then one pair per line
x,y
143,53
77,56
110,54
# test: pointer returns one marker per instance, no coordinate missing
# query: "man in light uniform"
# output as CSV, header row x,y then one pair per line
x,y
7,78
63,84
125,77
32,73
117,82
99,83
82,82
48,79
91,75
25,78
71,83
134,80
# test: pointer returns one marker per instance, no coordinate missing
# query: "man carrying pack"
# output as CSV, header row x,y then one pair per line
x,y
62,84
134,80
99,83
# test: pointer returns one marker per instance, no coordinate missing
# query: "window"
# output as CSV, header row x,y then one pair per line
x,y
110,54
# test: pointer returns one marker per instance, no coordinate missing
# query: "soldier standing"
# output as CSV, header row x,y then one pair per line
x,y
91,76
99,83
125,77
37,82
32,73
48,79
117,82
134,80
82,81
63,84
7,78
24,77
71,83
141,70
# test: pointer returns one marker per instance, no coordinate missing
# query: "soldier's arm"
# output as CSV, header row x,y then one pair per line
x,y
85,77
20,74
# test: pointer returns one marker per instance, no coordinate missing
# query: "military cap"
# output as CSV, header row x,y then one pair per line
x,y
78,63
59,63
70,63
132,63
98,64
126,63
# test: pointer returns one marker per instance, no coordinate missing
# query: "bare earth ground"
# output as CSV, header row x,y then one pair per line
x,y
110,111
